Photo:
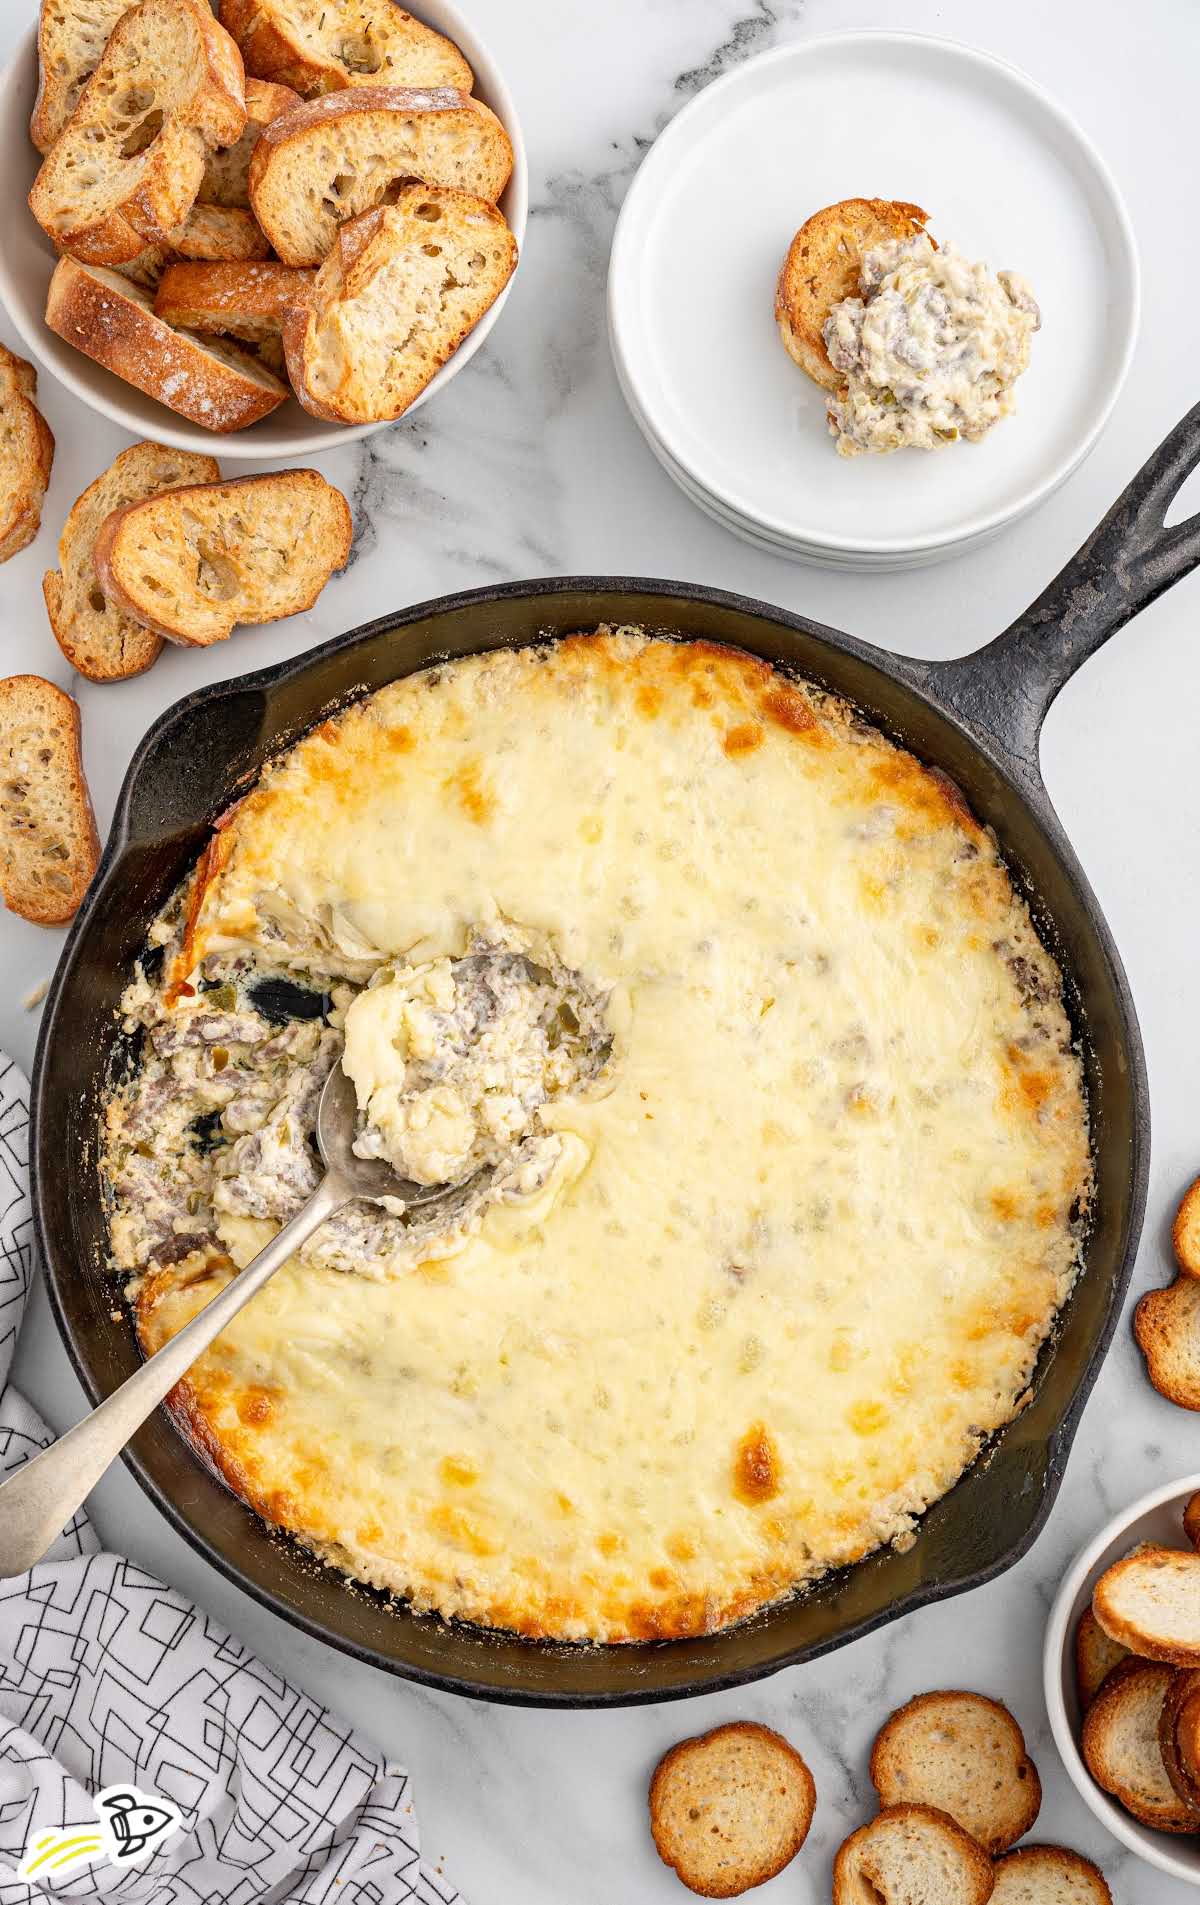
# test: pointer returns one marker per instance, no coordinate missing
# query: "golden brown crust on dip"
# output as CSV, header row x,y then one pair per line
x,y
730,1808
822,267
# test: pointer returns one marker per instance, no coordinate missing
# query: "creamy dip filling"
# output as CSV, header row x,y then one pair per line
x,y
452,1061
930,349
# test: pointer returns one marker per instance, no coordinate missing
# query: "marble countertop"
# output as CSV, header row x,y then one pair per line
x,y
530,465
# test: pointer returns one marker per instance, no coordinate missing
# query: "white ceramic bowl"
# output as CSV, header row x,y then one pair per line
x,y
1006,174
1157,1517
27,260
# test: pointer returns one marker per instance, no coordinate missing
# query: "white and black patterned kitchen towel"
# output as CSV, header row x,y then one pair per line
x,y
110,1679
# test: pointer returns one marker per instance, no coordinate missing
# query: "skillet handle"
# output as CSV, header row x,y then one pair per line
x,y
1125,564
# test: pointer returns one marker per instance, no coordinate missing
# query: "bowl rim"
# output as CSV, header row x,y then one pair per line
x,y
1153,1847
986,521
75,372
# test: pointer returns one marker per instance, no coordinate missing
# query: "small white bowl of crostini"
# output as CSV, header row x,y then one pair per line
x,y
1156,1518
27,260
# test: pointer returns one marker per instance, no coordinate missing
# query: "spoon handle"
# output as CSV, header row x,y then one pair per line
x,y
38,1502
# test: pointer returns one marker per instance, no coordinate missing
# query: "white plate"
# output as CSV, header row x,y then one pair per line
x,y
27,259
1157,1517
1005,174
760,538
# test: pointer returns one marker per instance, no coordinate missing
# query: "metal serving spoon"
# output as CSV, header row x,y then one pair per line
x,y
39,1500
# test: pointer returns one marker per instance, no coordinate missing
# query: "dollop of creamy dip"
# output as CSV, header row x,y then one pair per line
x,y
930,349
452,1061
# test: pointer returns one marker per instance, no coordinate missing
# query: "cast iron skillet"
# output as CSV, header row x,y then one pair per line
x,y
978,718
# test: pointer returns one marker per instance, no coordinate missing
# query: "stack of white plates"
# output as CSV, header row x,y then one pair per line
x,y
1005,175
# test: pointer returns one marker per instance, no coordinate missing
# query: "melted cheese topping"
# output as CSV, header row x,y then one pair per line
x,y
811,1237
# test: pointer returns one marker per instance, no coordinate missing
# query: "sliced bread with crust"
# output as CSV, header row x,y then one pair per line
x,y
1167,1326
193,563
148,267
1150,1602
220,234
94,636
1179,1736
911,1855
126,168
729,1809
227,170
48,841
1185,1231
401,289
72,34
965,1755
112,321
1095,1657
26,454
822,267
243,301
345,154
321,46
1121,1746
1191,1521
1049,1875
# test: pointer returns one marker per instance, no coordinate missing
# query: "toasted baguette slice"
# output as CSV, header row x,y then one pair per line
x,y
964,1755
1191,1521
1049,1875
1185,1232
112,320
48,842
1122,1751
94,636
244,301
220,234
336,157
1167,1326
26,453
72,34
1150,1602
195,562
911,1855
1179,1736
127,166
321,46
729,1809
822,267
227,171
1095,1657
148,267
401,289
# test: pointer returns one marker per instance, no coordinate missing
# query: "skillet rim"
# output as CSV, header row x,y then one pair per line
x,y
1021,780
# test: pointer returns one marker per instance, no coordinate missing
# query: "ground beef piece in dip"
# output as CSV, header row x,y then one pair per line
x,y
930,349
